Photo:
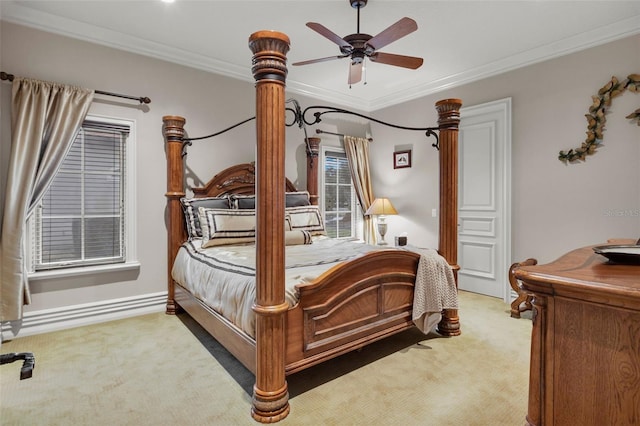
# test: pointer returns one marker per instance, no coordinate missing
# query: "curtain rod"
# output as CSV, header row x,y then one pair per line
x,y
142,100
336,134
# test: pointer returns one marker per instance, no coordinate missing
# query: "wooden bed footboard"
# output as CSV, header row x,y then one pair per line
x,y
349,306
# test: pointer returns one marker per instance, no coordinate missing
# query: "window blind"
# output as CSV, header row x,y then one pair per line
x,y
338,195
80,220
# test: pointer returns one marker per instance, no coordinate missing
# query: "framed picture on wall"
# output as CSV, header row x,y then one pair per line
x,y
401,159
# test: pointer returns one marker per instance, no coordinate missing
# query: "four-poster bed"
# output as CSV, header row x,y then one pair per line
x,y
354,303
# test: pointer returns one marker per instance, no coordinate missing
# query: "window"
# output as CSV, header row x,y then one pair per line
x,y
85,217
342,214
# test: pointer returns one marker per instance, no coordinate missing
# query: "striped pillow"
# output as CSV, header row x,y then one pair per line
x,y
220,227
190,208
293,238
292,199
305,218
243,201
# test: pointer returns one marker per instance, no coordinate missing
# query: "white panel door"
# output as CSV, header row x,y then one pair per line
x,y
484,205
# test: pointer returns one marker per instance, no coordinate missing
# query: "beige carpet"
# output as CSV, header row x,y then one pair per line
x,y
163,370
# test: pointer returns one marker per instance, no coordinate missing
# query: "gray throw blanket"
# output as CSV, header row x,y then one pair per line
x,y
435,289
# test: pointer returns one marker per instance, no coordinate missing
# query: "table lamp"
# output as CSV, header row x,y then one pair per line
x,y
381,207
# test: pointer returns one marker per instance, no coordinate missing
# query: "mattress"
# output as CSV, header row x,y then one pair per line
x,y
223,277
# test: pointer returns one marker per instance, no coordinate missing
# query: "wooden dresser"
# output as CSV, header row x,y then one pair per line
x,y
585,344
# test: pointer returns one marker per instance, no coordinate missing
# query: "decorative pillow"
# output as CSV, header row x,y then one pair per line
x,y
243,201
295,199
221,226
191,215
292,199
306,218
292,238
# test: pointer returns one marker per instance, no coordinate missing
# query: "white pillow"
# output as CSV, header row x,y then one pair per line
x,y
293,238
221,227
190,208
305,218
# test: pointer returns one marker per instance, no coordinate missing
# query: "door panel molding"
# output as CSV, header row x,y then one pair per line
x,y
478,225
484,259
477,163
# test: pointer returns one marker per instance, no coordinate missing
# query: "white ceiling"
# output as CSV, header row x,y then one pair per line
x,y
460,41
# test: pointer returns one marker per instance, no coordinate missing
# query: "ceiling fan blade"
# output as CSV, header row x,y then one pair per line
x,y
398,60
326,32
315,61
355,73
398,30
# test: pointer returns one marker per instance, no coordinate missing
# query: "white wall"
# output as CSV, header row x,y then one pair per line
x,y
209,102
556,207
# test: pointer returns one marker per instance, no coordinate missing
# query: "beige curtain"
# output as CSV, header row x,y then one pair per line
x,y
357,150
45,118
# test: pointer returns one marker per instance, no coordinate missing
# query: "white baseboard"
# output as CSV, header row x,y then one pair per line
x,y
49,320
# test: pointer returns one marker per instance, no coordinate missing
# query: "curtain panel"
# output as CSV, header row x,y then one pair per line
x,y
357,150
45,119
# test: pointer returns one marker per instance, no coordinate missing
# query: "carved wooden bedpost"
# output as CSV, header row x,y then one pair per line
x,y
270,394
448,121
173,131
313,148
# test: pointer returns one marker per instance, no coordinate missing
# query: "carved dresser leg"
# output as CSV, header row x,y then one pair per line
x,y
523,301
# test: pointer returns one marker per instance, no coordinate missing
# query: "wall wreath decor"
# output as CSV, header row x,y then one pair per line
x,y
596,118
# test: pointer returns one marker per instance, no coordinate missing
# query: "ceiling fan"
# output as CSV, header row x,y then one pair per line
x,y
359,46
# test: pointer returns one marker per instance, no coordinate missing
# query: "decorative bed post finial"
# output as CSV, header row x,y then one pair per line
x,y
448,113
270,392
269,55
173,127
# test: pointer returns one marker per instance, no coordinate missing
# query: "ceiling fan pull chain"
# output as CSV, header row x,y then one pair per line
x,y
364,69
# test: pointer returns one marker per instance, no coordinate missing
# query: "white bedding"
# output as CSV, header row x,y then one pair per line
x,y
223,277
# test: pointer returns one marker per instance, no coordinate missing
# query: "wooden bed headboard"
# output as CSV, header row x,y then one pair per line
x,y
238,179
270,398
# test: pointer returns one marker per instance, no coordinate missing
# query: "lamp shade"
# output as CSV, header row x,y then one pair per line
x,y
381,206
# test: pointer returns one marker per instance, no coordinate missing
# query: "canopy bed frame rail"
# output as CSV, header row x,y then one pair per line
x,y
349,306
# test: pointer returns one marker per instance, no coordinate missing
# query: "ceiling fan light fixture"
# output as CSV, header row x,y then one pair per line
x,y
357,58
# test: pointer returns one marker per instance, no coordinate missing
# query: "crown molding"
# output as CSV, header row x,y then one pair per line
x,y
592,38
15,13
